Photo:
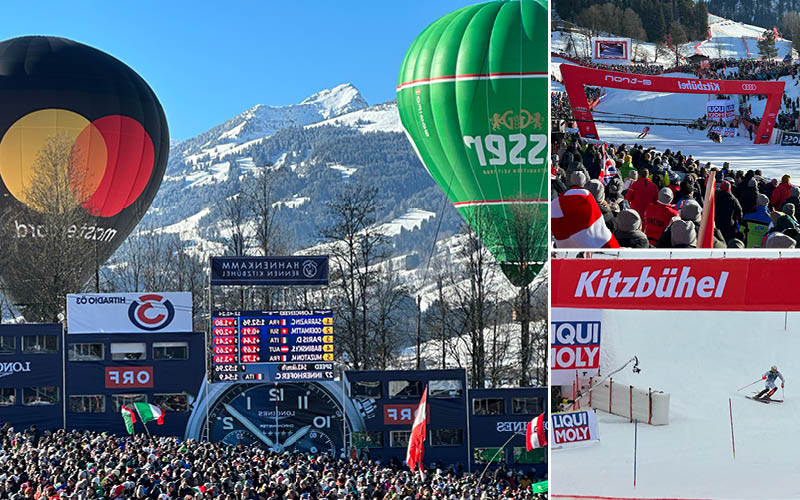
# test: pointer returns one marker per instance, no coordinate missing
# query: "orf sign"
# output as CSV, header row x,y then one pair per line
x,y
574,427
124,377
574,344
400,414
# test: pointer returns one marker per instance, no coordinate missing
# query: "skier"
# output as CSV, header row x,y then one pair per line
x,y
645,131
770,388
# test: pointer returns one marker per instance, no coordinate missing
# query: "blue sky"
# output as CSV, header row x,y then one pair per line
x,y
208,61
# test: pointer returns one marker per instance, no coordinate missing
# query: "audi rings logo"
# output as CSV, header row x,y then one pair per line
x,y
309,269
151,312
748,86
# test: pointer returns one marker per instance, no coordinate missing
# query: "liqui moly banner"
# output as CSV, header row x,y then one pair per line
x,y
720,109
726,131
679,284
129,312
574,344
577,427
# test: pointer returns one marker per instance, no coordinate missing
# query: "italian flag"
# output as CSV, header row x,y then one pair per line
x,y
129,417
149,412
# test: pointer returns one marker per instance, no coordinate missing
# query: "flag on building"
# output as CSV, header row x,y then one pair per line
x,y
578,223
129,417
148,413
416,443
536,433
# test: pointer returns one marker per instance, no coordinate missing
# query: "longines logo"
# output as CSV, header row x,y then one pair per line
x,y
13,367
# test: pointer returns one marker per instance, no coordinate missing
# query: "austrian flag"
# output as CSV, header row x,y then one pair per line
x,y
536,433
416,443
578,223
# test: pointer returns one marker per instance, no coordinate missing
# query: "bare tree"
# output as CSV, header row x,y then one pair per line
x,y
46,257
355,246
473,296
387,296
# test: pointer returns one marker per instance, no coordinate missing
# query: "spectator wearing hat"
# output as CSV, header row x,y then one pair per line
x,y
642,192
756,223
599,193
658,216
781,192
727,211
683,234
629,230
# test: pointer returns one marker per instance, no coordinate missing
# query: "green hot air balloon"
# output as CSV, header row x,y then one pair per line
x,y
473,99
83,149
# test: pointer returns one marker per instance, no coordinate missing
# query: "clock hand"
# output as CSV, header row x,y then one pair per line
x,y
296,436
248,424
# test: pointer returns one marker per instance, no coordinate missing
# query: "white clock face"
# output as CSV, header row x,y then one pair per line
x,y
294,417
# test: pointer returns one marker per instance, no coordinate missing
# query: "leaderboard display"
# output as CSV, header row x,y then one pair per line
x,y
272,346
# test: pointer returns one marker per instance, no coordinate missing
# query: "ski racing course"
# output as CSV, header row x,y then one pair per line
x,y
700,359
645,107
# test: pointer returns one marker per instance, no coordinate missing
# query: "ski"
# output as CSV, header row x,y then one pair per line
x,y
766,401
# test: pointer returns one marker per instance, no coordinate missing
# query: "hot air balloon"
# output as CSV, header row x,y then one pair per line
x,y
473,99
84,142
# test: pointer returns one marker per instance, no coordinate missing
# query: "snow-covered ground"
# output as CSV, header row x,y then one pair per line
x,y
700,359
772,159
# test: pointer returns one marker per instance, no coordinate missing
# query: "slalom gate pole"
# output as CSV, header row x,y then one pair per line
x,y
748,385
635,446
733,441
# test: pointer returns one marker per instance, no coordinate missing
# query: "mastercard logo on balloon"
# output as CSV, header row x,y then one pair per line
x,y
111,158
78,122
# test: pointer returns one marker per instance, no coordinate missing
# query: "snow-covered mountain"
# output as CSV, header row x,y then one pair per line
x,y
262,121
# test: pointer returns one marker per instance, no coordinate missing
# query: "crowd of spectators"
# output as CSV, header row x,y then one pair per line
x,y
656,199
84,465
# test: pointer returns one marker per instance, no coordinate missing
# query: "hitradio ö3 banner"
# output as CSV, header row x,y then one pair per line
x,y
574,344
129,312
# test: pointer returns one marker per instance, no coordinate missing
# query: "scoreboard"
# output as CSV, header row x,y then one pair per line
x,y
272,346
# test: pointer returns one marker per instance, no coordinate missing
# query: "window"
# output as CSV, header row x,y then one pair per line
x,y
485,455
399,439
8,396
526,406
488,406
170,350
368,439
36,344
39,396
128,351
535,456
447,437
86,352
172,402
445,388
120,400
8,345
405,388
95,403
365,389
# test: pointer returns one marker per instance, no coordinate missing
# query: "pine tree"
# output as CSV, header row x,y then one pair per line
x,y
766,46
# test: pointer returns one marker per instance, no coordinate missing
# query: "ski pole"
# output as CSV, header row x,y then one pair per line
x,y
748,385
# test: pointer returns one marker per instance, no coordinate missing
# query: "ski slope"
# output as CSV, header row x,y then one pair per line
x,y
701,359
729,39
772,159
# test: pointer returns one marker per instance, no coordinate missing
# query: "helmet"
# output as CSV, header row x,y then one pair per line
x,y
773,368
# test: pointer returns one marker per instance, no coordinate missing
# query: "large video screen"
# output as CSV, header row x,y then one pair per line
x,y
272,346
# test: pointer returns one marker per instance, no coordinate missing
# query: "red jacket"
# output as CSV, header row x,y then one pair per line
x,y
641,194
657,217
780,195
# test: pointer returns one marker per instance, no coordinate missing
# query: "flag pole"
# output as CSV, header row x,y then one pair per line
x,y
513,435
733,442
142,419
